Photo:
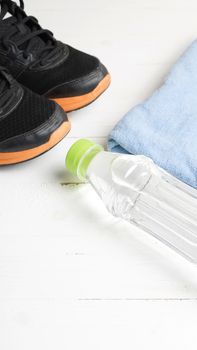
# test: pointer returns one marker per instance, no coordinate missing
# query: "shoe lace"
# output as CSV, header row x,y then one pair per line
x,y
23,30
5,87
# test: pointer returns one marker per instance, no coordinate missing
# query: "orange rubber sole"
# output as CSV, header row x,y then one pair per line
x,y
18,157
73,103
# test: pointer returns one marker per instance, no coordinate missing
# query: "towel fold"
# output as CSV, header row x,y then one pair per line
x,y
164,127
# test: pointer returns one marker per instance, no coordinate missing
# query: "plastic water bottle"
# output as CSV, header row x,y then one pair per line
x,y
135,189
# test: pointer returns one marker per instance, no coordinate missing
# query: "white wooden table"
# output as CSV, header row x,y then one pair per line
x,y
71,276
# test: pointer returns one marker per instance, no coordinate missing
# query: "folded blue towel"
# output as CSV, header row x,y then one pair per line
x,y
164,127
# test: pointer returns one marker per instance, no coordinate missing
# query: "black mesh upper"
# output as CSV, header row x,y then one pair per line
x,y
77,65
32,112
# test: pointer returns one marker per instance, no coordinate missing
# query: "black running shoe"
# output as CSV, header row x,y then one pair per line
x,y
29,124
46,66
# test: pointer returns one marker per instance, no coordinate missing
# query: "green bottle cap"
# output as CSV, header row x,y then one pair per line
x,y
80,155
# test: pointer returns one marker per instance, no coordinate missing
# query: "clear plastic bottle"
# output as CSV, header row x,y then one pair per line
x,y
135,189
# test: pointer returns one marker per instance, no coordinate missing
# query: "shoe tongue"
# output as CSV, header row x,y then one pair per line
x,y
4,26
34,44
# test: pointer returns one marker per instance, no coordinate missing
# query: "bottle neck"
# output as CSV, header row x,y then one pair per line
x,y
86,159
